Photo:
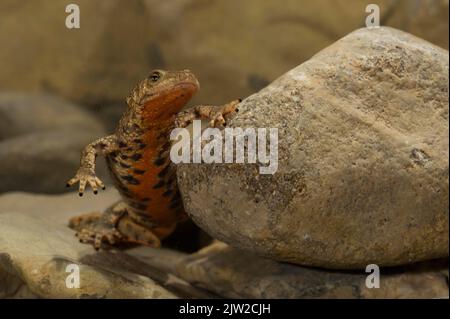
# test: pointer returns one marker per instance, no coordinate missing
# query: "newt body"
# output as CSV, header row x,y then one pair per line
x,y
137,155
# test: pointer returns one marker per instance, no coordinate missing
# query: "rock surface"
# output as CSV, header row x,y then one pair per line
x,y
41,138
240,46
236,274
363,160
36,246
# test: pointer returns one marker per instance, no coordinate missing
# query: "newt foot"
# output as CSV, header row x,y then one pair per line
x,y
110,228
86,177
95,229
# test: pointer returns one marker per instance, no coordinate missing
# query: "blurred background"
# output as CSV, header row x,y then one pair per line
x,y
62,88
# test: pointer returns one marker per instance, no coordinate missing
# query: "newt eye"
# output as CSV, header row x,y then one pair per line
x,y
155,76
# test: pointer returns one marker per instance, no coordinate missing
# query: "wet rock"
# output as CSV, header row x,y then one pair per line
x,y
363,160
41,138
36,247
237,274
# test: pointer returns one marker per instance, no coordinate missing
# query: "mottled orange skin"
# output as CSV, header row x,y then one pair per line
x,y
158,115
137,155
154,116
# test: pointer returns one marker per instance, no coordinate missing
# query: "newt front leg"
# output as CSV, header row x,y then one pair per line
x,y
114,225
217,115
86,173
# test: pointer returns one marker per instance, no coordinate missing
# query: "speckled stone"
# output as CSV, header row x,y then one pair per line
x,y
363,160
233,273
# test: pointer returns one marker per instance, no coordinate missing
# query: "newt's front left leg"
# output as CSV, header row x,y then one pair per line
x,y
86,173
217,115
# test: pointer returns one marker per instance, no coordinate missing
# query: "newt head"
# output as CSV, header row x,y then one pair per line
x,y
162,94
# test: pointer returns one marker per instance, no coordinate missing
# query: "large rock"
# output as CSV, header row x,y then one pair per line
x,y
233,273
234,47
363,160
36,246
41,138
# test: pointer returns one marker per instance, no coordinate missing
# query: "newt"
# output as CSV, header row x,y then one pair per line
x,y
137,157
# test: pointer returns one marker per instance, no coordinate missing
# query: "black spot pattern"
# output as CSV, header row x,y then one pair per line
x,y
130,179
136,157
122,144
138,171
167,192
164,171
124,165
140,206
159,184
175,204
159,161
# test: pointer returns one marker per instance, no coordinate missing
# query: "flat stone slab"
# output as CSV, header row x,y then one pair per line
x,y
238,274
36,247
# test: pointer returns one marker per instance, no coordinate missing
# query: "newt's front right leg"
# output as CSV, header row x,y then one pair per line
x,y
86,173
217,115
